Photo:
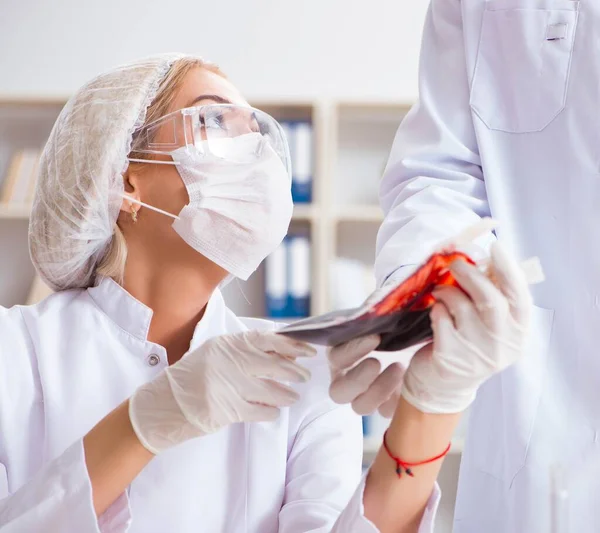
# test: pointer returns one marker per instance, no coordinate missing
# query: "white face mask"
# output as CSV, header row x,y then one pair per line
x,y
238,213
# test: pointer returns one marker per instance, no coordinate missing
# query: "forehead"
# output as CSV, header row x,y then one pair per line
x,y
199,82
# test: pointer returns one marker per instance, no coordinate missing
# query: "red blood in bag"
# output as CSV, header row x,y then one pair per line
x,y
432,274
401,319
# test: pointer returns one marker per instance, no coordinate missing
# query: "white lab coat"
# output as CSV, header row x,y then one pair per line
x,y
67,362
508,124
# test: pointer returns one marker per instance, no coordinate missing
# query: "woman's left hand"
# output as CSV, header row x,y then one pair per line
x,y
363,384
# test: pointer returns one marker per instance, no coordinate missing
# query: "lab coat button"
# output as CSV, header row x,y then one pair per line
x,y
153,360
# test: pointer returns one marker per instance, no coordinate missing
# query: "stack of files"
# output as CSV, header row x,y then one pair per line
x,y
287,280
19,182
300,140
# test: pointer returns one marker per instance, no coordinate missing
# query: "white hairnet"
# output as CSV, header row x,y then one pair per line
x,y
77,198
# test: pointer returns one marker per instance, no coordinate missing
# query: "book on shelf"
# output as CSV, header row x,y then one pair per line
x,y
19,182
38,291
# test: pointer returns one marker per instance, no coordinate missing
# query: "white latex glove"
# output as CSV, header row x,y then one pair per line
x,y
363,384
231,378
477,333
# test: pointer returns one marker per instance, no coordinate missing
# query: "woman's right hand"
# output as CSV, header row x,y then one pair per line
x,y
231,378
477,332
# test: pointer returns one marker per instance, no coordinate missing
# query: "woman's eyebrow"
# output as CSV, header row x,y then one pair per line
x,y
214,97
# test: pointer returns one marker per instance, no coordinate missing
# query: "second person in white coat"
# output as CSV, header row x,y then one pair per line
x,y
506,125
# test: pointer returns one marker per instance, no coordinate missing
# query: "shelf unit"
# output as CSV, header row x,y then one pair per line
x,y
352,141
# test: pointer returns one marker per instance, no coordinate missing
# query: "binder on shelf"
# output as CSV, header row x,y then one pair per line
x,y
302,162
366,425
20,178
276,285
38,291
299,276
374,426
26,175
33,180
11,176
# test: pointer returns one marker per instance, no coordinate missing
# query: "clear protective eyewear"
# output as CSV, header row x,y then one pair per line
x,y
206,131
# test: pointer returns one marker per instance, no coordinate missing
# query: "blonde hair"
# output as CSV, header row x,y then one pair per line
x,y
112,264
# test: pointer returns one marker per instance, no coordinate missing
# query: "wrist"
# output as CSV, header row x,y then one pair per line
x,y
114,456
430,393
154,414
440,403
157,417
136,421
416,435
130,435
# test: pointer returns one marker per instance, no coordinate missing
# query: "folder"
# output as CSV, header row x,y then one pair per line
x,y
302,162
276,284
299,276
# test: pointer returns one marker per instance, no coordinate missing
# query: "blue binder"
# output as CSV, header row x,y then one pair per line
x,y
301,153
299,276
366,425
276,282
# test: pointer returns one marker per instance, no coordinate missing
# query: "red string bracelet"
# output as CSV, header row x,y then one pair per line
x,y
400,464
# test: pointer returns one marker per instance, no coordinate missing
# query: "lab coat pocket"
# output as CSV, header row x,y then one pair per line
x,y
521,74
502,418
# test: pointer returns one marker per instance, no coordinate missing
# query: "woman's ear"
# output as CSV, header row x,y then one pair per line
x,y
132,190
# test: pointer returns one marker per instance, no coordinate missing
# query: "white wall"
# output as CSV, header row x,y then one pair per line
x,y
345,49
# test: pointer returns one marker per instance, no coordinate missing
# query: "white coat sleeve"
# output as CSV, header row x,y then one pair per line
x,y
37,494
324,487
433,185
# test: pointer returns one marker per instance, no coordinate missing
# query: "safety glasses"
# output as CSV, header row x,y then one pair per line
x,y
232,133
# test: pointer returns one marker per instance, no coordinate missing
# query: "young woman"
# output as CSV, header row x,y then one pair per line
x,y
133,399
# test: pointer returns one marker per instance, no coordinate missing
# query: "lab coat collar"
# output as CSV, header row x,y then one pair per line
x,y
128,313
134,317
213,321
